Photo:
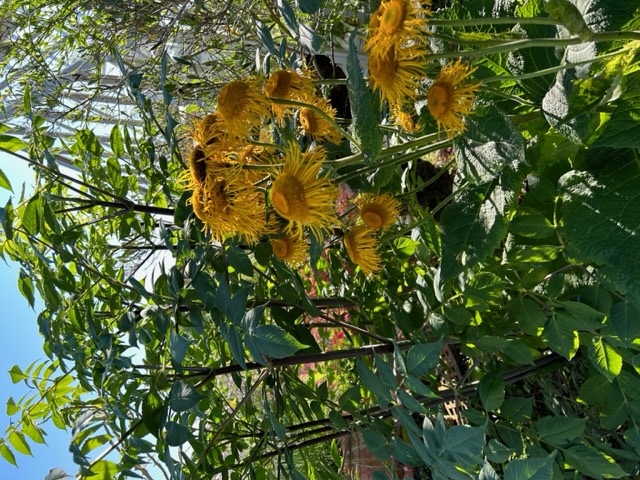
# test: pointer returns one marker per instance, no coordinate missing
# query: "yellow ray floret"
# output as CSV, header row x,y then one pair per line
x,y
378,211
288,85
316,125
362,249
229,205
450,97
300,196
242,106
397,74
396,23
290,248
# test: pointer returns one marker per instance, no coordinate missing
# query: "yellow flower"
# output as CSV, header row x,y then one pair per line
x,y
212,136
242,106
362,250
450,97
288,85
395,23
378,211
196,175
228,205
397,74
316,125
291,249
300,196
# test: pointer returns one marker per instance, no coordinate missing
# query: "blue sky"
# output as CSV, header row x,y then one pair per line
x,y
21,344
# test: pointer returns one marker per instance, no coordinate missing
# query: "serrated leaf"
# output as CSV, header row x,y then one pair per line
x,y
622,128
309,39
365,117
491,390
532,226
530,469
557,430
152,412
177,434
178,346
116,141
600,213
13,144
589,461
423,358
16,374
4,182
491,144
184,397
32,215
561,336
476,221
288,15
275,342
104,470
605,358
371,381
625,320
17,441
6,453
464,444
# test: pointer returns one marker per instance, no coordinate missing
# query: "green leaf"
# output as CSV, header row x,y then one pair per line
x,y
57,474
625,320
497,452
25,285
116,141
275,342
490,145
423,358
104,470
600,212
605,358
152,411
365,118
309,39
184,397
89,143
6,219
13,144
517,409
491,390
464,444
32,430
178,346
32,215
309,6
622,128
12,408
476,222
16,374
17,441
558,430
239,260
371,381
4,182
530,469
589,461
177,434
561,336
288,15
6,453
532,226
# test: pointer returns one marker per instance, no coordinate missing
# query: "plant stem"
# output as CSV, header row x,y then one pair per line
x,y
476,22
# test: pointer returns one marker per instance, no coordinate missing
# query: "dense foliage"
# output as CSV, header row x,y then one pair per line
x,y
467,237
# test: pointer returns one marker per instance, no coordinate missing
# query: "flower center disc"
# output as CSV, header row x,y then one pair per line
x,y
280,247
393,17
231,100
438,100
352,248
278,85
198,167
372,218
288,198
308,120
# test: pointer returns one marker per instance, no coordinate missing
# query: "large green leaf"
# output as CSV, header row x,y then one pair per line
x,y
275,342
589,461
423,358
530,469
622,128
365,118
491,390
561,335
605,358
557,430
601,222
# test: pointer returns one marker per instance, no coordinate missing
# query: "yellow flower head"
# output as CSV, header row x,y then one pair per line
x,y
450,97
212,136
288,85
228,205
394,24
242,106
362,249
316,125
300,196
290,248
197,173
397,74
378,211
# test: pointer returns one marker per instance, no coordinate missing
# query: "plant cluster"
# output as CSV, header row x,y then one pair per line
x,y
247,294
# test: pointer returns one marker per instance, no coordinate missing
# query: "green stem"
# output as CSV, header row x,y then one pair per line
x,y
538,42
476,22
